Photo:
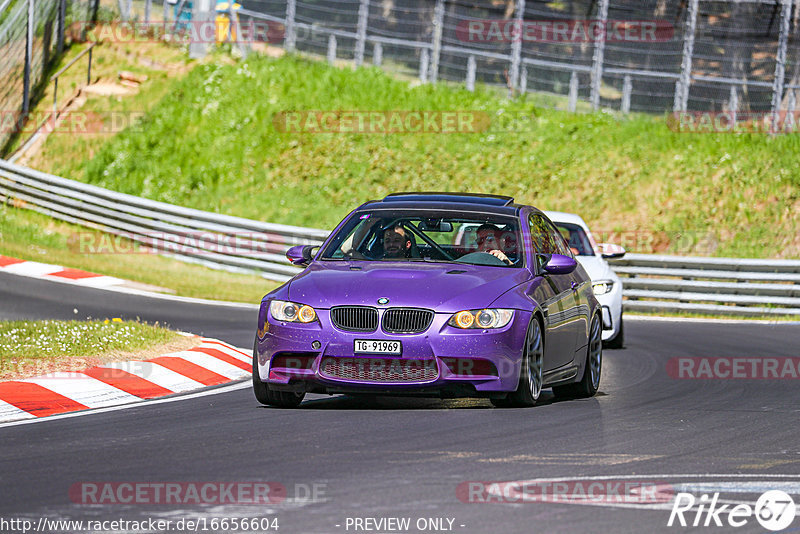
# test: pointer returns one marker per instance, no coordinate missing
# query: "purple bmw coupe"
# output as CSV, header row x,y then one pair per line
x,y
432,294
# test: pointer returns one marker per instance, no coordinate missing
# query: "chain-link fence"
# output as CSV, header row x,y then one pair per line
x,y
631,55
33,34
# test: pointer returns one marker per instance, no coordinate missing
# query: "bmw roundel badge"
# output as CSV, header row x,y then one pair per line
x,y
383,300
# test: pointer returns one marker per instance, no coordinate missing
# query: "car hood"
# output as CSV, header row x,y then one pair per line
x,y
596,267
445,287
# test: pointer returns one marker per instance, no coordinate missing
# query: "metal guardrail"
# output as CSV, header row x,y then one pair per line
x,y
709,285
651,282
214,240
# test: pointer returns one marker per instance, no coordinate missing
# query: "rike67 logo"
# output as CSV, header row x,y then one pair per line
x,y
774,510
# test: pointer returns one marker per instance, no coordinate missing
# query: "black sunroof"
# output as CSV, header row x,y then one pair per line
x,y
468,198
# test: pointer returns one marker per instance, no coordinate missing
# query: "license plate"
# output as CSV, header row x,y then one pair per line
x,y
377,346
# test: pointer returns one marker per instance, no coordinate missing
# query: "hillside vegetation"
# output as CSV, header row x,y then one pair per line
x,y
210,143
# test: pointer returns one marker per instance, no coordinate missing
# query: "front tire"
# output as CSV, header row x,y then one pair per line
x,y
618,341
589,383
269,397
530,383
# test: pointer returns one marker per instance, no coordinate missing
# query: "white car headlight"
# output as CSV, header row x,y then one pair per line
x,y
292,312
601,288
486,318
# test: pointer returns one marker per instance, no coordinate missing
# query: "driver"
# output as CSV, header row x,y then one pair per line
x,y
396,242
489,243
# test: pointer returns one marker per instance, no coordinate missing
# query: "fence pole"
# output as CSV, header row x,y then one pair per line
x,y
682,87
733,105
148,8
332,49
438,25
471,73
236,27
780,64
516,47
291,34
573,92
202,15
599,51
627,88
523,79
166,11
423,65
361,31
62,22
26,97
377,54
95,9
789,123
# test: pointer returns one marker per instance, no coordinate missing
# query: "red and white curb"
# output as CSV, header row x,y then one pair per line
x,y
211,363
56,273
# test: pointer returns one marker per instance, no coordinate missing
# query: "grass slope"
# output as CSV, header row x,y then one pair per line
x,y
210,144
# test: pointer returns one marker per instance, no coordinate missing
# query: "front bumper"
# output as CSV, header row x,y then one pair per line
x,y
611,307
439,350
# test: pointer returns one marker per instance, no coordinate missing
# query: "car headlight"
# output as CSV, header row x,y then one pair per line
x,y
292,312
486,318
601,288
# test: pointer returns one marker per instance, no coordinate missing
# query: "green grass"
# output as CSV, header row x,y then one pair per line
x,y
210,144
28,235
37,347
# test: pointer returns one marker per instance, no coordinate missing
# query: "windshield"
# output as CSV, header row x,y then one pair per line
x,y
424,235
576,238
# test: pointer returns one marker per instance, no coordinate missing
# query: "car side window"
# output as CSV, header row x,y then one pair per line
x,y
542,239
562,247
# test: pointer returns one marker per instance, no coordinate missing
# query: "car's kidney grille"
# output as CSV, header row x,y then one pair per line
x,y
407,320
380,369
355,318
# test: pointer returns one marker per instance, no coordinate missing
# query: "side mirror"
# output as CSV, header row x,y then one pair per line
x,y
301,254
611,251
560,264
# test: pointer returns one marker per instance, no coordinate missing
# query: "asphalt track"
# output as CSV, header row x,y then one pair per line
x,y
407,457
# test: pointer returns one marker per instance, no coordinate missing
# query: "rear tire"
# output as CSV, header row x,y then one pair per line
x,y
269,397
530,383
618,341
589,383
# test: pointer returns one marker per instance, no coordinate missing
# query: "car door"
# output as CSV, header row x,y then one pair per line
x,y
559,344
576,306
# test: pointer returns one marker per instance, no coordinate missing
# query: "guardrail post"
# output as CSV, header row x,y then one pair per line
x,y
166,11
573,92
599,51
332,49
377,54
523,79
290,42
627,88
780,64
682,87
438,23
148,8
361,31
62,21
733,105
26,97
423,65
471,73
516,47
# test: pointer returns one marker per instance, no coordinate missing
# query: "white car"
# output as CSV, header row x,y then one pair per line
x,y
605,282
